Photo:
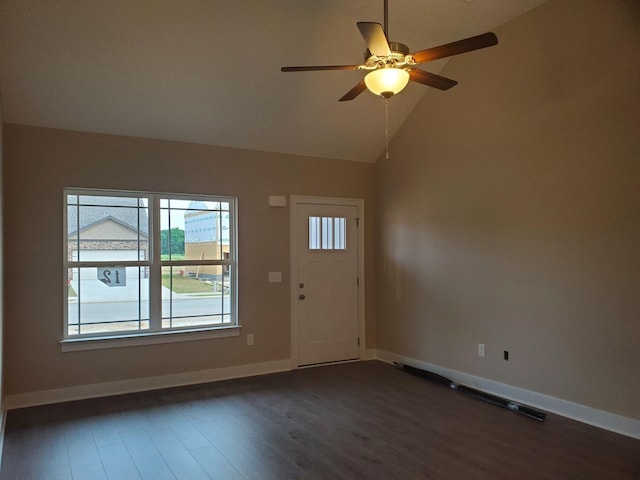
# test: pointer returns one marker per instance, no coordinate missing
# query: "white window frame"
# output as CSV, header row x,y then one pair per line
x,y
155,334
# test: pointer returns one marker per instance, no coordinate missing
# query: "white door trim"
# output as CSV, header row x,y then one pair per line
x,y
294,201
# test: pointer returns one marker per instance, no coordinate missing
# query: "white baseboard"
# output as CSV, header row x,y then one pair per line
x,y
599,418
370,354
82,392
106,389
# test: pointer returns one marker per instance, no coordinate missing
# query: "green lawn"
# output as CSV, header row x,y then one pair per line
x,y
175,256
182,284
72,292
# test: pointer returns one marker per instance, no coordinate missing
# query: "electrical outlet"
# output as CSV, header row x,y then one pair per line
x,y
249,339
481,349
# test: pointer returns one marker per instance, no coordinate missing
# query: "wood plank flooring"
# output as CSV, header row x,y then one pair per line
x,y
364,420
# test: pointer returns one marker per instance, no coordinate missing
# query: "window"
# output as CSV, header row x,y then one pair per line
x,y
139,264
327,233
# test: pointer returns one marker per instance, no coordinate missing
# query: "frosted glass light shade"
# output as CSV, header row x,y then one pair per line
x,y
386,81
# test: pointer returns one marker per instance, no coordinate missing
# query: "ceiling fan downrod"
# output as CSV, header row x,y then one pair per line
x,y
386,17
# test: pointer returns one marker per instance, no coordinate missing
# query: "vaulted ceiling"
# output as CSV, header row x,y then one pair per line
x,y
208,71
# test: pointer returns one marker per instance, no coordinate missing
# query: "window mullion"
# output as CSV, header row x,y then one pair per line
x,y
155,269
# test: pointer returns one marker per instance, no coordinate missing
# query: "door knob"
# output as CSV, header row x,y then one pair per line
x,y
301,297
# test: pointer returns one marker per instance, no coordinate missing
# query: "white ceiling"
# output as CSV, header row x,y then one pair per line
x,y
208,71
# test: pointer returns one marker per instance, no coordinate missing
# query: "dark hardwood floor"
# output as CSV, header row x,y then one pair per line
x,y
365,420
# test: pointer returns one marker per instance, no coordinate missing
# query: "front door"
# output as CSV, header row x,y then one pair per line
x,y
326,283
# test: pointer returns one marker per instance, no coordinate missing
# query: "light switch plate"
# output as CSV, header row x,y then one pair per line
x,y
275,277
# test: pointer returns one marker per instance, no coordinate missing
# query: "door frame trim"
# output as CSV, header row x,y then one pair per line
x,y
294,202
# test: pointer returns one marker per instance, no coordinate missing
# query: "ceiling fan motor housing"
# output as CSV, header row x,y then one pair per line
x,y
398,53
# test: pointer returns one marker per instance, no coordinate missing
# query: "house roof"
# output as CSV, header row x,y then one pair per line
x,y
94,210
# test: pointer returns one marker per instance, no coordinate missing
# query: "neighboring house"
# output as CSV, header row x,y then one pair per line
x,y
206,237
105,232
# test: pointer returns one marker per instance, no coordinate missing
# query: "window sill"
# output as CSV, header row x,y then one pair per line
x,y
133,340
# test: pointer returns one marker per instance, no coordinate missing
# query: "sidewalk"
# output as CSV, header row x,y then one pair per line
x,y
94,291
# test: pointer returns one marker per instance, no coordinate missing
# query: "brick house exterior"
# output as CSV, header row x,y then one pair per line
x,y
104,232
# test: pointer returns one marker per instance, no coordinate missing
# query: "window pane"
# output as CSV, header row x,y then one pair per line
x,y
314,233
195,295
109,201
107,229
224,231
171,234
339,233
327,235
194,230
107,299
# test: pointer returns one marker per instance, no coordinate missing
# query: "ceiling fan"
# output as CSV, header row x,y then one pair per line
x,y
390,66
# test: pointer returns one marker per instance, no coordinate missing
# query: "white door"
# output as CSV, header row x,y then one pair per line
x,y
326,282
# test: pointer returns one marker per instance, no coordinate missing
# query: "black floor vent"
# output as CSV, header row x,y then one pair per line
x,y
479,394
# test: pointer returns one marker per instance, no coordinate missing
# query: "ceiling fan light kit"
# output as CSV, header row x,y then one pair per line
x,y
390,66
386,81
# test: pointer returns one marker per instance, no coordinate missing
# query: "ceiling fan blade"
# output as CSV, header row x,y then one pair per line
x,y
314,68
354,92
375,38
431,79
456,48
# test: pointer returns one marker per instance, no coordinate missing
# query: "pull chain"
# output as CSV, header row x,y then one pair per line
x,y
386,124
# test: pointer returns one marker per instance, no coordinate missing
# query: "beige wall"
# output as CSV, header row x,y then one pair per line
x,y
509,211
39,162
